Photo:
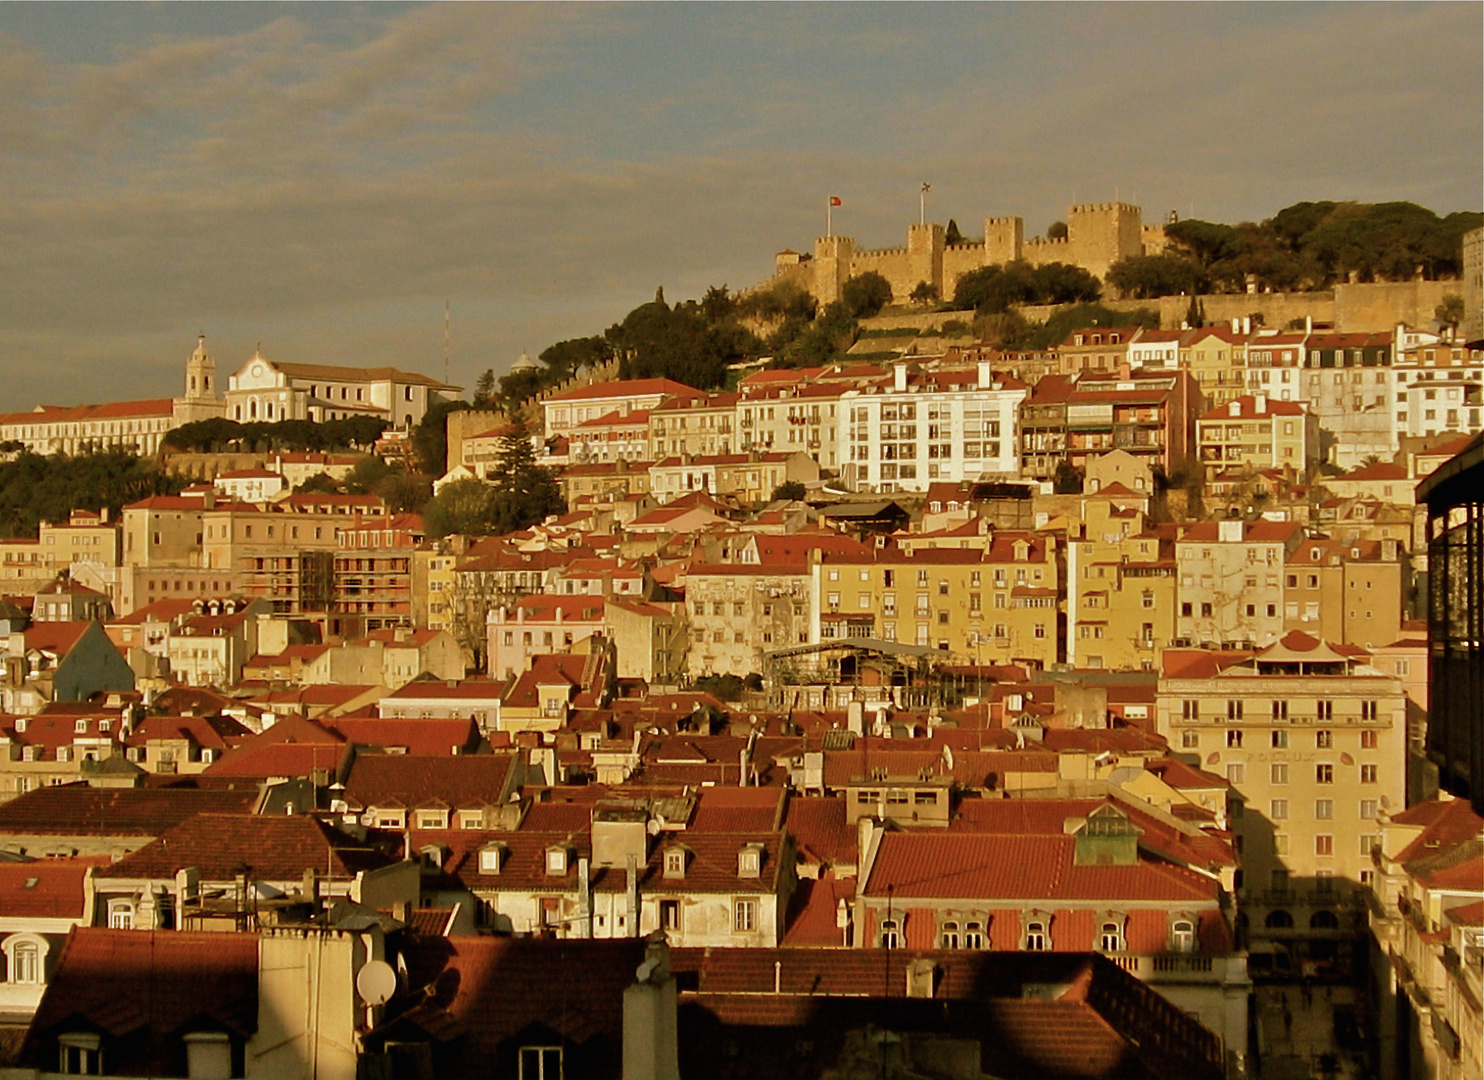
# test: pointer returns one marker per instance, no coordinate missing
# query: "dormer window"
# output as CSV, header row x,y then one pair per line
x,y
1110,935
556,861
675,864
490,858
750,860
432,819
80,727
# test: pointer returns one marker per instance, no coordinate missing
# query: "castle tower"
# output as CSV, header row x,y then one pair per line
x,y
832,258
1004,240
200,374
1099,234
925,256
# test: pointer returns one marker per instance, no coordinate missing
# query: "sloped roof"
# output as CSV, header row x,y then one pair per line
x,y
273,847
149,986
426,780
80,810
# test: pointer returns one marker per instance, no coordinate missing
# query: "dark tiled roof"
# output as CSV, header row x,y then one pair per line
x,y
80,810
410,781
149,985
277,847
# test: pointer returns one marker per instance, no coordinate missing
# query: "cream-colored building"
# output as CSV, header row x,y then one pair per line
x,y
1313,739
1255,432
998,605
749,478
740,611
268,391
698,424
1355,593
1121,590
1216,358
1231,582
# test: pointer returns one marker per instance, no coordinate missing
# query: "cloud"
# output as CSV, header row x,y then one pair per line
x,y
323,177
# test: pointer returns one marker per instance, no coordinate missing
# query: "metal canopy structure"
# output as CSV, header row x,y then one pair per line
x,y
1454,495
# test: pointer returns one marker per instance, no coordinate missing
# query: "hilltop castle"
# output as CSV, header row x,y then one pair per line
x,y
1098,235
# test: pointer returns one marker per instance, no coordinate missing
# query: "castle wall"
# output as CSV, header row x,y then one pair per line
x,y
1379,306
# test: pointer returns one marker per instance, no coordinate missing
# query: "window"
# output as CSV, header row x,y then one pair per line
x,y
208,1055
1368,809
1236,774
1190,710
670,915
1280,740
1234,740
120,915
1182,936
1035,937
1110,938
1324,774
1278,809
1368,774
974,935
1190,740
1324,845
675,864
1325,710
1324,740
1280,712
540,1063
948,936
24,961
1324,809
744,916
891,934
80,1053
1233,709
1278,772
1368,740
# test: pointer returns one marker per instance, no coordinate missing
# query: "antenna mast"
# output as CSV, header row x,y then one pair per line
x,y
447,310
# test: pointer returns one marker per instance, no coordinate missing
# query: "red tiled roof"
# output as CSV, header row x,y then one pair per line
x,y
147,986
274,847
80,810
46,889
1040,868
623,388
412,781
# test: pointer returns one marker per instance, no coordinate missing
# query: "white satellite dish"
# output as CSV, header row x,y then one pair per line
x,y
376,982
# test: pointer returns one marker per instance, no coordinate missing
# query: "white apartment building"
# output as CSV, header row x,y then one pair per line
x,y
960,424
1231,580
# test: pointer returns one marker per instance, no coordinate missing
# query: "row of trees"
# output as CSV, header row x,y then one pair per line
x,y
220,434
1310,245
34,489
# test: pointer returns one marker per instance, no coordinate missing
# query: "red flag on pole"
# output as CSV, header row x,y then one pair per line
x,y
835,200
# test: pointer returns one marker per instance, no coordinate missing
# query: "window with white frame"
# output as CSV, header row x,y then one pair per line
x,y
744,915
121,915
1182,936
24,959
80,1053
540,1063
1035,938
1110,936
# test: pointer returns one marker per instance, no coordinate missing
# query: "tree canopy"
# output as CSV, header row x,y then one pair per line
x,y
219,434
990,290
34,489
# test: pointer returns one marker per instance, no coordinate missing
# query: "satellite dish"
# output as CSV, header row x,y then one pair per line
x,y
376,982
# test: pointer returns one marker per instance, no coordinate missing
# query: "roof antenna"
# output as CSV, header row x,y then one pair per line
x,y
447,316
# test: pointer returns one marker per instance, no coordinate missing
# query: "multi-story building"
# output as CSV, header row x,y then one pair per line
x,y
1427,923
738,611
751,477
799,409
1152,416
929,425
1313,740
538,625
1216,358
1275,363
1349,384
1254,432
563,413
1121,589
614,436
998,605
264,390
1231,582
1098,351
696,424
1355,593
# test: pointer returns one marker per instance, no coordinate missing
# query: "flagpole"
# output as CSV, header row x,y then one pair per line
x,y
829,216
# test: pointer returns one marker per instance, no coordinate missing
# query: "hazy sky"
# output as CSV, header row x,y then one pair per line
x,y
321,177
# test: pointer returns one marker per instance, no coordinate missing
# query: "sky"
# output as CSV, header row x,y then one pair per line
x,y
324,181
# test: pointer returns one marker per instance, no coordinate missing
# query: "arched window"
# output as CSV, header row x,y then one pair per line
x,y
974,935
948,936
1035,937
24,956
1182,935
1279,920
1324,920
891,934
1110,938
120,915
